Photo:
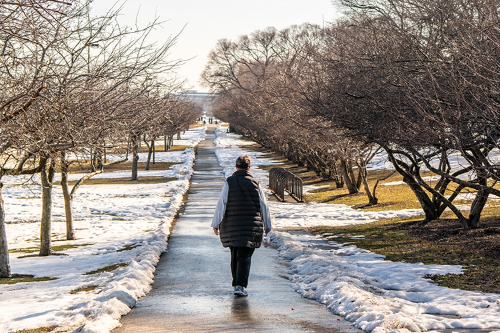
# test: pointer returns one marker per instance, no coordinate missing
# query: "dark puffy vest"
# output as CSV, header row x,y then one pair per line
x,y
242,222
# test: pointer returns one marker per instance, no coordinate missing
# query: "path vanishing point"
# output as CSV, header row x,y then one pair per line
x,y
192,287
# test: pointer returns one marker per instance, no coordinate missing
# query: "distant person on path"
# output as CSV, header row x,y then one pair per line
x,y
240,219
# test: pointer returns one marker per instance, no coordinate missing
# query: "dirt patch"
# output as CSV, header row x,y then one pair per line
x,y
38,330
22,278
484,241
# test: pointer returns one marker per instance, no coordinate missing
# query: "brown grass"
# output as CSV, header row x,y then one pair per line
x,y
38,330
127,166
54,248
84,166
19,278
161,148
106,269
128,247
83,289
125,181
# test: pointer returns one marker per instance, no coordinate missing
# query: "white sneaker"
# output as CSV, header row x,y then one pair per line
x,y
240,291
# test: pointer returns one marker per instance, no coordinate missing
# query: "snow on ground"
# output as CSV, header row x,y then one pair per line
x,y
376,295
114,224
456,160
380,162
288,215
400,182
308,189
228,145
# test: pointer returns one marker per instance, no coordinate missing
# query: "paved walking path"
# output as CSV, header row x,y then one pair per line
x,y
192,290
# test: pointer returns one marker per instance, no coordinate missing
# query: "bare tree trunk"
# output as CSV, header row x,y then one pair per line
x,y
68,199
95,160
178,135
150,153
135,156
98,159
301,163
478,205
92,160
154,150
351,186
68,196
430,210
4,249
339,180
47,177
363,174
165,146
352,176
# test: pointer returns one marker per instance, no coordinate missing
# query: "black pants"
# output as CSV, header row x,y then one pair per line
x,y
241,258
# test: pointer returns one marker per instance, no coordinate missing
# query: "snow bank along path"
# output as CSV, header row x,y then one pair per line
x,y
115,224
376,295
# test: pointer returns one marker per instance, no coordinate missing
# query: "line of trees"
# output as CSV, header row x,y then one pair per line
x,y
417,79
73,86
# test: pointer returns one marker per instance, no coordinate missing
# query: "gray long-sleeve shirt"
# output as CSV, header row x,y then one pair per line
x,y
220,210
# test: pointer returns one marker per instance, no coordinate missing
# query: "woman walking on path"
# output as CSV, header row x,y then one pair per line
x,y
240,218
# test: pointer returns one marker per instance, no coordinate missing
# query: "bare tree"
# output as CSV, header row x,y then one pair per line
x,y
267,83
69,92
415,78
429,102
22,24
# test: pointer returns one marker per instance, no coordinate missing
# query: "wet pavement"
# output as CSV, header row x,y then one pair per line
x,y
192,290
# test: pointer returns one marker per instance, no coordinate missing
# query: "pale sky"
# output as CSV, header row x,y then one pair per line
x,y
207,21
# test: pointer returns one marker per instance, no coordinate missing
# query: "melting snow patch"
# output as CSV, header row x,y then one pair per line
x,y
108,219
382,296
